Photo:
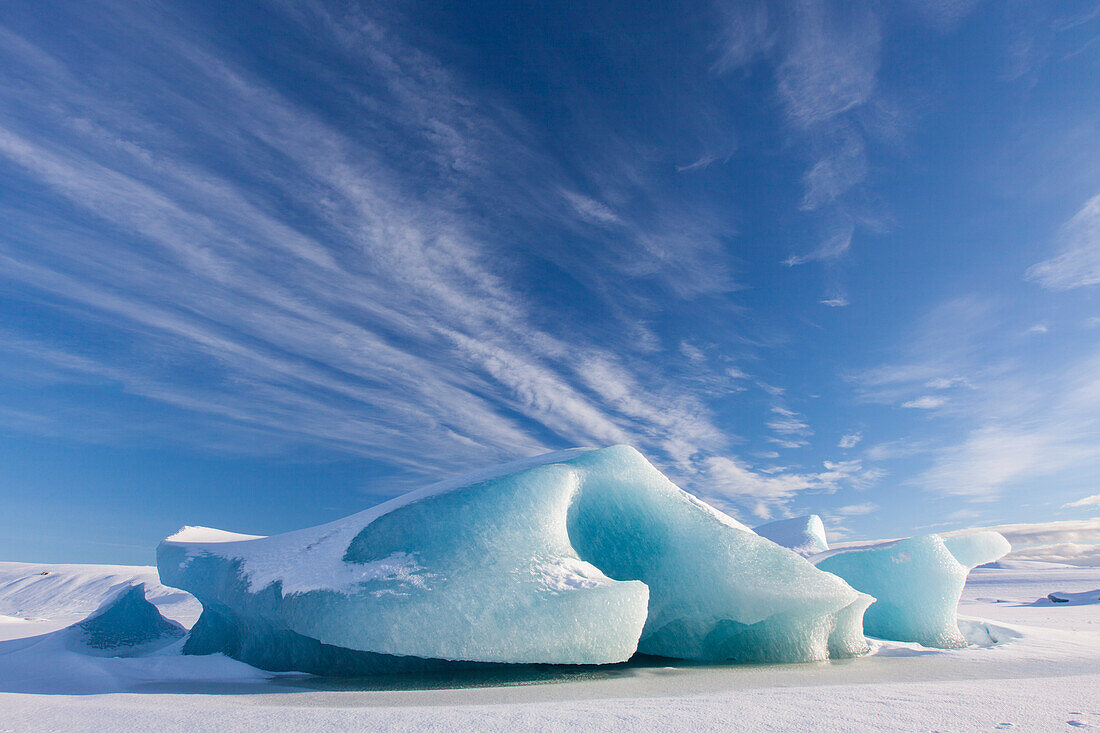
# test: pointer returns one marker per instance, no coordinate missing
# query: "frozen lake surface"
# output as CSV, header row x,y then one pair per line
x,y
1035,666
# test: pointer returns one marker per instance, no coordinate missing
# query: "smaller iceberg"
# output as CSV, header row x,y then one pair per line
x,y
127,625
917,581
805,535
977,548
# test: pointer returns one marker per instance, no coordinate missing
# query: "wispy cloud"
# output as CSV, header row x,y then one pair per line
x,y
927,402
1078,262
731,479
275,281
849,440
1088,501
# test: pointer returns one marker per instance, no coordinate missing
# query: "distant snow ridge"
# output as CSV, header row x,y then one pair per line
x,y
805,535
578,557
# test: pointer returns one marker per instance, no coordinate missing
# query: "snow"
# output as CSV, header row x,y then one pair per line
x,y
55,596
1042,673
578,557
804,535
210,535
1084,598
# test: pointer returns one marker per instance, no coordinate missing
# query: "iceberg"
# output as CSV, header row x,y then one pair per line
x,y
977,548
577,557
804,535
917,581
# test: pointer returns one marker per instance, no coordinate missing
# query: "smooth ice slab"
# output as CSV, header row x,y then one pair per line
x,y
804,535
917,581
579,557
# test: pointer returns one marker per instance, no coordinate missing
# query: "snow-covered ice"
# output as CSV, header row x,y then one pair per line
x,y
581,557
805,535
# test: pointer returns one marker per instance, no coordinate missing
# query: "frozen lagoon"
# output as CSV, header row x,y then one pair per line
x,y
1043,677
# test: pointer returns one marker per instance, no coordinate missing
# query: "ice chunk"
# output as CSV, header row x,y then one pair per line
x,y
580,557
917,582
127,624
804,535
1084,598
977,548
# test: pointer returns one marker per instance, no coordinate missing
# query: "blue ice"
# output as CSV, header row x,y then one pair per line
x,y
917,583
578,557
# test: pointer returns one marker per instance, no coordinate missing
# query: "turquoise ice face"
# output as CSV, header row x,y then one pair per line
x,y
917,582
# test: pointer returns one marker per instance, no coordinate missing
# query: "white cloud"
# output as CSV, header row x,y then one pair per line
x,y
343,302
927,402
1027,428
730,478
837,242
837,302
895,449
836,173
1078,263
692,352
831,64
1088,501
1037,329
947,382
855,510
850,440
1076,541
590,209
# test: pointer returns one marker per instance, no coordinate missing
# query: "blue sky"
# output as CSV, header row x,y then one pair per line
x,y
265,264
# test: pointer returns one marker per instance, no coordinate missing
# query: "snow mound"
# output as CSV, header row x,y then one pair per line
x,y
917,581
1061,598
68,593
804,535
578,557
128,625
980,632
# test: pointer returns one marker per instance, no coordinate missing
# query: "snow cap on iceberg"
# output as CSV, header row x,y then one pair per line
x,y
805,535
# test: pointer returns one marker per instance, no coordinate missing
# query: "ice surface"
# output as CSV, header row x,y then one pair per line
x,y
804,535
127,624
579,557
977,548
917,582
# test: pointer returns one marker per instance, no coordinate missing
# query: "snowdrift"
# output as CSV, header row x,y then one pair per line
x,y
805,535
579,557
